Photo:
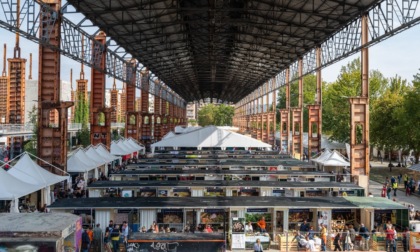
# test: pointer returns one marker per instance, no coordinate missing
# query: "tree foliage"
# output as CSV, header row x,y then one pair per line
x,y
385,110
215,115
81,111
30,145
83,136
336,108
409,118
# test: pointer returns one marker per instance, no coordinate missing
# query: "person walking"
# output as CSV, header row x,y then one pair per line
x,y
257,246
364,233
97,237
323,235
337,242
115,238
395,188
406,239
389,240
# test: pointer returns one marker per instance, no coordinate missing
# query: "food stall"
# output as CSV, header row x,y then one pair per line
x,y
40,232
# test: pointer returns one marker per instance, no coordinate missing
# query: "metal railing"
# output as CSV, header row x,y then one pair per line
x,y
28,129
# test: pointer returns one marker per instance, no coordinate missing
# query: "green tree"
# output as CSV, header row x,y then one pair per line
x,y
409,118
215,115
81,111
384,121
83,136
336,108
192,122
224,114
206,115
30,145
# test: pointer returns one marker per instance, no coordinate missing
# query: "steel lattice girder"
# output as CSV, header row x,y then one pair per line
x,y
220,49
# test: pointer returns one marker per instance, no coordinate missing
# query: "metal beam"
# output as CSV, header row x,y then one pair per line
x,y
71,36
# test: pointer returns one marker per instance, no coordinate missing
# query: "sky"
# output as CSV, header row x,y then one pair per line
x,y
398,55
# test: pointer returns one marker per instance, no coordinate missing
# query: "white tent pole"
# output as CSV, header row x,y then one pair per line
x,y
8,162
49,164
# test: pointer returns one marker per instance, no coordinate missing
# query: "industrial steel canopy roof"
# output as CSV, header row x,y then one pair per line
x,y
220,49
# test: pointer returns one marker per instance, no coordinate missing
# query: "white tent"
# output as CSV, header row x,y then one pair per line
x,y
170,134
324,155
210,136
93,154
124,144
80,162
131,142
104,153
119,149
12,188
182,130
335,159
30,172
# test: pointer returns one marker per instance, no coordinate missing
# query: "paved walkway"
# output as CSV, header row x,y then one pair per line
x,y
376,188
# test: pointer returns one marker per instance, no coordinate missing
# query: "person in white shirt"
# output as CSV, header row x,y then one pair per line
x,y
248,228
310,245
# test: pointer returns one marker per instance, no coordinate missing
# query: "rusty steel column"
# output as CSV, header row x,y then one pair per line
x,y
165,113
132,116
359,114
3,90
285,118
114,103
51,140
272,133
100,132
158,130
73,95
297,118
315,113
122,108
16,92
146,129
247,116
171,117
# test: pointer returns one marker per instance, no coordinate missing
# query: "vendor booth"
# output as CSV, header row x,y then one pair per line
x,y
30,172
48,232
79,162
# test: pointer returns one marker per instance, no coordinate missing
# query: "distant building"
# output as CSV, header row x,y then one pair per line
x,y
31,98
192,110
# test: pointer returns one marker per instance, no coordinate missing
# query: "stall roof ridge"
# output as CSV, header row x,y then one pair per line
x,y
222,202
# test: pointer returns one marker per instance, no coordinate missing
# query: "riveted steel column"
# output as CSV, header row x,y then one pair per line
x,y
132,117
272,134
285,118
315,113
51,139
146,129
114,103
3,90
359,114
100,132
297,118
16,97
158,116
